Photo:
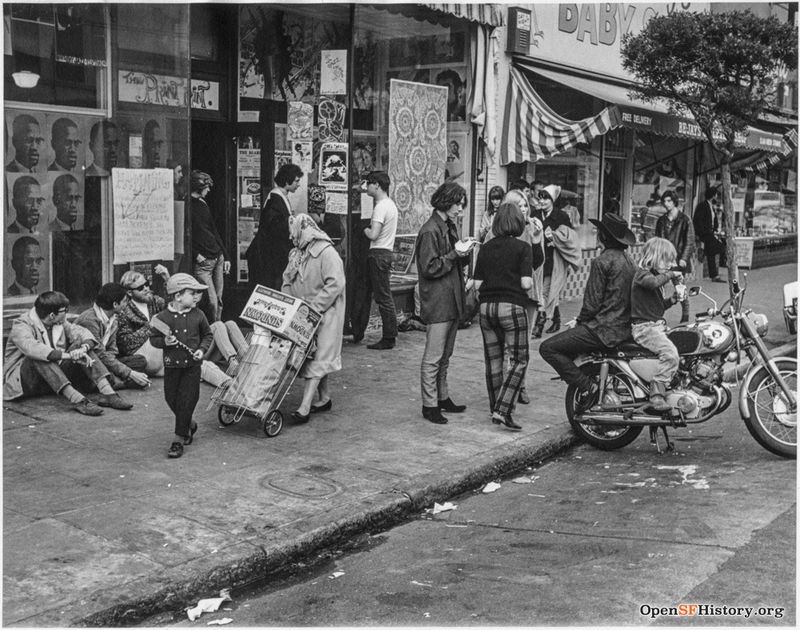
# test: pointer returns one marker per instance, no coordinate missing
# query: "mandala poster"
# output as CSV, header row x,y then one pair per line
x,y
418,149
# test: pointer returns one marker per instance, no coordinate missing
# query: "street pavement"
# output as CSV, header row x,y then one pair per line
x,y
101,528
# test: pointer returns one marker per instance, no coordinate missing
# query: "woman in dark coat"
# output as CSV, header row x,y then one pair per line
x,y
269,252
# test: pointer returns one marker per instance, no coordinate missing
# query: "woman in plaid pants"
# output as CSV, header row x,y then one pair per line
x,y
503,275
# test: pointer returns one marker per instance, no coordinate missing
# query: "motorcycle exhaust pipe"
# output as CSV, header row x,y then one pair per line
x,y
635,420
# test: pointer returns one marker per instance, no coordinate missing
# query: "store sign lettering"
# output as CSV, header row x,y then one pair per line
x,y
607,22
156,89
638,119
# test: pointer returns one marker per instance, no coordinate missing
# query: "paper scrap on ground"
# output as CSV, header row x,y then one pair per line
x,y
211,604
220,622
335,575
443,507
490,487
522,480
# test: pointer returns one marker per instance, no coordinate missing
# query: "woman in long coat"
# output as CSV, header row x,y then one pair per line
x,y
315,274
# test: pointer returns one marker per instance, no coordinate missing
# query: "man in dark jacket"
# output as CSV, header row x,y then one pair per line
x,y
605,317
676,227
704,226
441,294
211,261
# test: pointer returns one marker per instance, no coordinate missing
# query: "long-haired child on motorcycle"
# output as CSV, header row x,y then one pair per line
x,y
648,326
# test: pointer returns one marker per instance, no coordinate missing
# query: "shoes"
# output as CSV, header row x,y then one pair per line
x,y
538,327
449,405
190,438
299,418
87,408
508,421
326,407
383,344
523,399
555,326
175,450
658,401
717,279
357,337
115,402
587,397
433,414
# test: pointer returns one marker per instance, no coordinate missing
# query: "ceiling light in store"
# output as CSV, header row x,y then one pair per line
x,y
25,78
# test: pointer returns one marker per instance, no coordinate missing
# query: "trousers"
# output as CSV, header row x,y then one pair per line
x,y
440,339
210,272
379,265
182,391
504,327
653,336
560,350
43,377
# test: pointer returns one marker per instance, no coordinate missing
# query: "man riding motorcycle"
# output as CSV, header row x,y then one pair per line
x,y
605,317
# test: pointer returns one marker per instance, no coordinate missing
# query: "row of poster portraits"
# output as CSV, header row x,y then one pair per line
x,y
39,143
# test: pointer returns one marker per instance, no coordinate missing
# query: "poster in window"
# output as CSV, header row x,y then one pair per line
x,y
64,204
26,267
27,150
281,158
300,120
454,79
333,72
365,155
331,119
26,197
333,171
455,168
66,136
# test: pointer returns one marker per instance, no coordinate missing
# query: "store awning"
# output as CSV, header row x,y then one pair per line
x,y
790,146
652,117
532,131
488,14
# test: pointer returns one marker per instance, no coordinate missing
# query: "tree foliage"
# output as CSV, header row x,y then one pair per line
x,y
721,67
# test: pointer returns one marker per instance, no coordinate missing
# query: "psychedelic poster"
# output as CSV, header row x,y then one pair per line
x,y
418,149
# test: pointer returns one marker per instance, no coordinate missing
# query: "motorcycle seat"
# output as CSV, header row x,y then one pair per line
x,y
629,349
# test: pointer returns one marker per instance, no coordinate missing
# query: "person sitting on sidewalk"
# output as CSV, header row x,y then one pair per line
x,y
101,321
133,333
605,317
46,353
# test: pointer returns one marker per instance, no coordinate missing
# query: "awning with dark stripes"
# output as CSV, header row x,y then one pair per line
x,y
790,146
533,131
483,13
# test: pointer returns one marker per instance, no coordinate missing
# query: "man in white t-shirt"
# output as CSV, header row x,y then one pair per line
x,y
381,232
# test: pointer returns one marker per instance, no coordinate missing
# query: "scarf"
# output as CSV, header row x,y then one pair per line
x,y
303,231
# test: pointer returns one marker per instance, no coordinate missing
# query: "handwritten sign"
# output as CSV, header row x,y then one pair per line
x,y
403,253
744,252
333,71
144,226
153,89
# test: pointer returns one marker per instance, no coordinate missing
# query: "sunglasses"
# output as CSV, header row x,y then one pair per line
x,y
146,285
544,195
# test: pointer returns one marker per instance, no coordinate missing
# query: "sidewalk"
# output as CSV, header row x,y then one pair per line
x,y
100,527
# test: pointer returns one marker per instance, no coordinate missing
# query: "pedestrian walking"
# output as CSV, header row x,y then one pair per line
x,y
496,194
676,227
269,252
503,275
707,227
381,233
211,261
188,340
441,290
315,274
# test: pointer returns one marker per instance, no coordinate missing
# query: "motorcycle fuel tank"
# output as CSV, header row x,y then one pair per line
x,y
703,337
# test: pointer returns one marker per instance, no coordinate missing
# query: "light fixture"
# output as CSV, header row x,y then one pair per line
x,y
25,79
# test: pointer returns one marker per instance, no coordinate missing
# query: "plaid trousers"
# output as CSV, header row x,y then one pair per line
x,y
505,328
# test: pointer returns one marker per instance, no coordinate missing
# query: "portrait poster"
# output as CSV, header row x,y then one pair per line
x,y
365,155
330,119
455,80
333,170
333,72
27,266
27,196
26,148
456,165
302,154
316,198
418,146
66,139
64,201
336,202
281,158
300,121
143,222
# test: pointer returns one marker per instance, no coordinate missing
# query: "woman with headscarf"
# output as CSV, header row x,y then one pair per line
x,y
315,274
561,252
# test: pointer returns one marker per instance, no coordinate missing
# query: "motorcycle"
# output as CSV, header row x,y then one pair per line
x,y
767,393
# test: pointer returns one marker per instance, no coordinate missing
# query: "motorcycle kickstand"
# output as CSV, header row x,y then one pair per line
x,y
654,438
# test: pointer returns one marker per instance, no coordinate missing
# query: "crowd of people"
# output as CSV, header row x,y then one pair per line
x,y
526,248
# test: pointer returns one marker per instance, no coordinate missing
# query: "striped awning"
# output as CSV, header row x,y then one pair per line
x,y
483,13
533,131
790,146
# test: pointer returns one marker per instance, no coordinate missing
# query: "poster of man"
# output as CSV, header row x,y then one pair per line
x,y
24,153
25,204
104,145
27,268
67,145
455,82
67,202
154,145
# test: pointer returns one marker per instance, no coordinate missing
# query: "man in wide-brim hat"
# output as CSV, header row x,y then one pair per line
x,y
605,317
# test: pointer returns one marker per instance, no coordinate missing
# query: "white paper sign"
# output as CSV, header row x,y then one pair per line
x,y
144,226
333,72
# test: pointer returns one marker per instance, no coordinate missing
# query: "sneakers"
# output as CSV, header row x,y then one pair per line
x,y
87,408
383,344
115,402
449,405
433,414
175,451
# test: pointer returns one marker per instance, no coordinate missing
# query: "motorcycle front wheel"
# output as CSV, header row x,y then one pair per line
x,y
772,422
604,437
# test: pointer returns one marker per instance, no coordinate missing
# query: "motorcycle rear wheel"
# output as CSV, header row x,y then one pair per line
x,y
604,437
771,423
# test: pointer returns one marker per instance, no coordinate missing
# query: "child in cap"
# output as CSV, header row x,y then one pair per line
x,y
188,340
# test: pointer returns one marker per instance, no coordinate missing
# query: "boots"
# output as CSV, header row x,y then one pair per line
x,y
538,327
658,402
684,311
556,325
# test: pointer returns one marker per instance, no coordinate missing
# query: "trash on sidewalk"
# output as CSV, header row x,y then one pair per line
x,y
220,622
443,507
335,575
211,604
523,479
490,487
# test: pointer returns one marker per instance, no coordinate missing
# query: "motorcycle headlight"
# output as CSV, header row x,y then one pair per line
x,y
760,323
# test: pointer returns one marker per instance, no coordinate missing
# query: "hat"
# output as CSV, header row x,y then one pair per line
x,y
200,180
552,190
616,227
181,281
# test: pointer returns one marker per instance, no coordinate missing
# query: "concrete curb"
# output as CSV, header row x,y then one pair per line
x,y
377,513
